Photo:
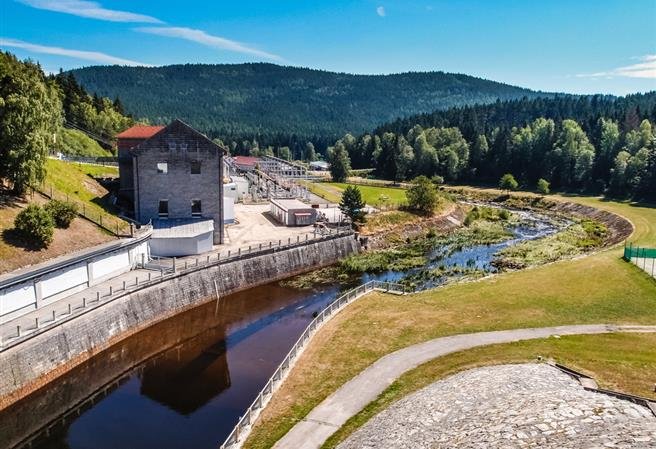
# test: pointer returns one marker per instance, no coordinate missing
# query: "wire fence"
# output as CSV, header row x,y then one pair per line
x,y
110,223
644,258
243,426
100,160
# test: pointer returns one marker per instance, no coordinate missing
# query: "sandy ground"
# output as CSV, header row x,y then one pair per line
x,y
254,226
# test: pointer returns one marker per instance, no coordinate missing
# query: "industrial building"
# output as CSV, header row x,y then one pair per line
x,y
292,212
175,180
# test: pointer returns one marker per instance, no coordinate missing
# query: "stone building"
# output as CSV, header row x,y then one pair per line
x,y
177,181
127,140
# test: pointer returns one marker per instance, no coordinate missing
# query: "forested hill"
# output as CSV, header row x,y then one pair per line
x,y
242,100
473,120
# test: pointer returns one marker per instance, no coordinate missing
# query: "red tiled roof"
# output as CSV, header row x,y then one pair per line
x,y
246,160
140,132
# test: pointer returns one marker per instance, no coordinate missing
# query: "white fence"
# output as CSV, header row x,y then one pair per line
x,y
243,427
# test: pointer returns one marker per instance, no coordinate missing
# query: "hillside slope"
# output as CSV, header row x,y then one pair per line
x,y
250,99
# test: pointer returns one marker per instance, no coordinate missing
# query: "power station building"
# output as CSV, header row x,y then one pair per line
x,y
173,176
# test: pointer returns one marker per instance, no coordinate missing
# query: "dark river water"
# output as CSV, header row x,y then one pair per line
x,y
185,382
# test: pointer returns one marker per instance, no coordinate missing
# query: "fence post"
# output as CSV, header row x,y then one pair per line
x,y
174,268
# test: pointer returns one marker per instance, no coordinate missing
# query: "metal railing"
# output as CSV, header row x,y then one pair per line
x,y
242,429
644,258
160,269
109,222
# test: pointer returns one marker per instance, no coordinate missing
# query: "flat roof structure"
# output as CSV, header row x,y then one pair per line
x,y
181,228
287,204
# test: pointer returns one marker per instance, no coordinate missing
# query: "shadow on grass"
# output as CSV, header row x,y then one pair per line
x,y
14,238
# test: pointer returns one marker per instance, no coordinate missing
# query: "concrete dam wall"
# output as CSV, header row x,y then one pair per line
x,y
41,359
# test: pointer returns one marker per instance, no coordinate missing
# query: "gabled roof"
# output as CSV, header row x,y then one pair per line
x,y
246,160
139,132
178,125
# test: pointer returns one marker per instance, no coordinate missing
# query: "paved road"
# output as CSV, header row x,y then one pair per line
x,y
353,396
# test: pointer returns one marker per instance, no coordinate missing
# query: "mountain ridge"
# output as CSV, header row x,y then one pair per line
x,y
254,99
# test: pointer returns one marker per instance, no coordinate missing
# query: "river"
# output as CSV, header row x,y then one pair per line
x,y
184,383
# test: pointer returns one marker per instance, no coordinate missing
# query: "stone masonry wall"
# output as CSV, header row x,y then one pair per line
x,y
37,361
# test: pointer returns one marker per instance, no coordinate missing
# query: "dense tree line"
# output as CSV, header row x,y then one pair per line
x,y
33,108
30,118
99,115
284,106
590,143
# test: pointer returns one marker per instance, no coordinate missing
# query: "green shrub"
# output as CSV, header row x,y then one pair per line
x,y
508,182
543,186
35,224
62,212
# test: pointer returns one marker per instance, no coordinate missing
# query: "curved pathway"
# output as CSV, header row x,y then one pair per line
x,y
354,395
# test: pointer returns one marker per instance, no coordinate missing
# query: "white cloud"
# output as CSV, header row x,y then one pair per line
x,y
203,38
92,10
644,69
380,11
93,56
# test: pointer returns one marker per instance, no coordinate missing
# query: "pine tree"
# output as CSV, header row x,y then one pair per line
x,y
352,205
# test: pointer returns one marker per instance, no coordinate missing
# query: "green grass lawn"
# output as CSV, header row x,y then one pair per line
x,y
600,288
76,182
377,196
385,197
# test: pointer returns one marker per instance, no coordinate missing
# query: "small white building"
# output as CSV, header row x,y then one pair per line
x,y
242,186
228,210
230,190
293,212
181,237
319,165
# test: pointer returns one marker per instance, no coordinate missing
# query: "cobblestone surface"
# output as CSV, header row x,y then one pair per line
x,y
530,405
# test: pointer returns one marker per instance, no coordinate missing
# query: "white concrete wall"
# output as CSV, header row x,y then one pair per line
x,y
20,297
228,209
181,246
72,278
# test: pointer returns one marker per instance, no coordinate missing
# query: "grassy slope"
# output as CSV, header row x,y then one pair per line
x,y
76,143
76,181
66,178
595,289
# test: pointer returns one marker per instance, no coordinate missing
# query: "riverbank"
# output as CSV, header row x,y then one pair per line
x,y
596,288
23,368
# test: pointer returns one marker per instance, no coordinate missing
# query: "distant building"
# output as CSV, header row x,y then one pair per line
x,y
177,184
319,165
293,212
245,163
127,140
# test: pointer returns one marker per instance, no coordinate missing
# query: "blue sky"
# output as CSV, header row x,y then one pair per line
x,y
577,46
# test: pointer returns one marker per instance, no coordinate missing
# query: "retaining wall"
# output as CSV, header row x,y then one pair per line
x,y
38,360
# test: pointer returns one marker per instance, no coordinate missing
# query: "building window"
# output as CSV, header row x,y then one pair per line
x,y
183,147
195,208
163,167
163,210
172,147
195,167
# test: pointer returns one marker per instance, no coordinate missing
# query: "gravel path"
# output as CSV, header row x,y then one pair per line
x,y
529,405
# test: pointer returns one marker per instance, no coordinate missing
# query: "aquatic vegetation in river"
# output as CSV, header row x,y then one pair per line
x,y
577,238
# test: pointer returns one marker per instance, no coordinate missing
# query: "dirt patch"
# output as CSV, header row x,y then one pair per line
x,y
448,220
16,253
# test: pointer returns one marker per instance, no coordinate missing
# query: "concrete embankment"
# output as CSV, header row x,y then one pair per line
x,y
41,359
